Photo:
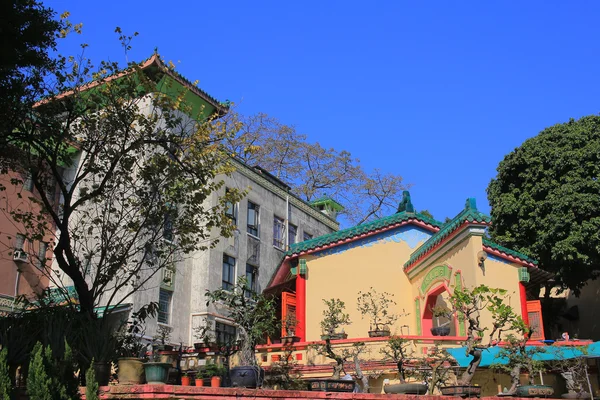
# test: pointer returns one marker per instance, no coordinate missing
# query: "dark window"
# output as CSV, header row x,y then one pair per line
x,y
278,232
292,234
164,306
307,236
251,277
231,210
253,219
225,334
228,272
41,261
168,225
28,183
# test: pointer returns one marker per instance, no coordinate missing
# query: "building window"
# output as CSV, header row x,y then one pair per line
x,y
168,226
19,242
225,334
278,232
231,210
253,219
306,236
228,272
292,235
28,182
251,279
41,260
164,306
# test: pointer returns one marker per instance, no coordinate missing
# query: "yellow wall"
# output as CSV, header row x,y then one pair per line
x,y
343,275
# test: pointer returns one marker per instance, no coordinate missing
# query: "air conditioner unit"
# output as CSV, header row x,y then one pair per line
x,y
20,256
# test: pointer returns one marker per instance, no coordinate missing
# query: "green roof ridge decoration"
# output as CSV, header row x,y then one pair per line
x,y
357,230
489,243
326,200
406,204
469,214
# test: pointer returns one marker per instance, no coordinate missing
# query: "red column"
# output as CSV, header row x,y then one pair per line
x,y
523,294
301,306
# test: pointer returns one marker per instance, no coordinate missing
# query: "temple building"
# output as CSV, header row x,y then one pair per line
x,y
416,259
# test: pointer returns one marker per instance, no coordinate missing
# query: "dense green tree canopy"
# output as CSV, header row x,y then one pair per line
x,y
546,200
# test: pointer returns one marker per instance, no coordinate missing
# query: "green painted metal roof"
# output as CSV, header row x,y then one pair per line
x,y
327,200
469,214
362,229
514,253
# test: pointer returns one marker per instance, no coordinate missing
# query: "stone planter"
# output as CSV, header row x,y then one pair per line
x,y
440,331
461,391
379,333
331,385
335,336
406,388
156,372
246,376
131,371
289,339
534,391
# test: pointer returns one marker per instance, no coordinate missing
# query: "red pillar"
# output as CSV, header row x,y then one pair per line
x,y
523,294
301,306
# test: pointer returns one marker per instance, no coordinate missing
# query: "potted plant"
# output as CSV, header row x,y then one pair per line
x,y
575,373
289,325
157,372
334,317
215,372
200,375
399,351
132,349
468,304
441,329
186,380
254,316
203,336
161,338
97,340
376,306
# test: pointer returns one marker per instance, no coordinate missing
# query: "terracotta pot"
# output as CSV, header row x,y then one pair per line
x,y
215,381
131,371
186,381
199,382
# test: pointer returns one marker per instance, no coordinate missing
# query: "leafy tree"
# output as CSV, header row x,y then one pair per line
x,y
313,171
376,306
5,381
545,200
29,31
122,169
50,378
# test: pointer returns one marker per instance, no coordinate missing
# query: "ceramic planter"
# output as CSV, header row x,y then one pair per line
x,y
156,372
289,339
246,376
379,333
335,336
215,381
331,385
440,331
534,391
461,391
406,388
131,371
102,370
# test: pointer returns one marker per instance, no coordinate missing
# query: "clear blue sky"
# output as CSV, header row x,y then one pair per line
x,y
436,91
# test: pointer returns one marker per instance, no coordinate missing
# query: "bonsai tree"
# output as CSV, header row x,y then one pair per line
x,y
434,368
468,304
440,311
334,317
398,350
252,313
519,356
163,335
131,336
574,372
202,333
289,324
375,306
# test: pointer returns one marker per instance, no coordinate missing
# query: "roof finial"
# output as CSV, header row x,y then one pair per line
x,y
471,204
406,203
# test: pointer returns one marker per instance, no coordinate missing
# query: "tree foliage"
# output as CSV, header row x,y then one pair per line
x,y
6,386
50,377
121,171
545,200
313,171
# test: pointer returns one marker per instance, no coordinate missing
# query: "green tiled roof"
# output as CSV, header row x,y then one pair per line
x,y
469,214
502,249
362,229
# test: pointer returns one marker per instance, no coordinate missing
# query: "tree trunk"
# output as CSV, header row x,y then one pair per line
x,y
359,374
515,379
467,376
337,369
401,374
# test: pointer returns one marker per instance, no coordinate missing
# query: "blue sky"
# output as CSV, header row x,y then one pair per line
x,y
436,91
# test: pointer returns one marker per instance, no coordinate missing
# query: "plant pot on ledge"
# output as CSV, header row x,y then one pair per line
x,y
331,385
289,339
379,333
335,336
406,388
461,391
156,372
534,391
440,331
131,371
